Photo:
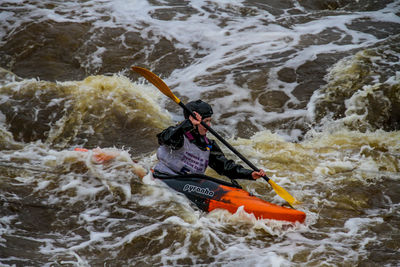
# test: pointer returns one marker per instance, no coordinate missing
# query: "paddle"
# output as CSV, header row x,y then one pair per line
x,y
157,82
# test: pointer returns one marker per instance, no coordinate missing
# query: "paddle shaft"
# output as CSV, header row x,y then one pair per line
x,y
251,165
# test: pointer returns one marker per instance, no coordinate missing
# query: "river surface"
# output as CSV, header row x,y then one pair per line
x,y
308,90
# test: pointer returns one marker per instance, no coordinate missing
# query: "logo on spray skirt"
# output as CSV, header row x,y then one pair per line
x,y
200,190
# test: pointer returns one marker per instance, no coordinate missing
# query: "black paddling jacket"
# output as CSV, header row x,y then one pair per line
x,y
173,137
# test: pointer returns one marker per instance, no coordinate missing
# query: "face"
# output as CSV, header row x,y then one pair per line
x,y
201,129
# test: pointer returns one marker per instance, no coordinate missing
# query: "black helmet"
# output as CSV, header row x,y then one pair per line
x,y
200,107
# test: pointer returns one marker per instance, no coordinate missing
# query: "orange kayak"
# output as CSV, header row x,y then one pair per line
x,y
209,194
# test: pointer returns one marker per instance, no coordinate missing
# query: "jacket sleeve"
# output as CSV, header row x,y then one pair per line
x,y
173,135
226,167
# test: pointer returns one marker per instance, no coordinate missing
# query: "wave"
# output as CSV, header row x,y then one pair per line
x,y
98,111
362,91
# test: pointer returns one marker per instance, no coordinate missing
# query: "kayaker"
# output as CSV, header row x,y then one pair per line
x,y
184,148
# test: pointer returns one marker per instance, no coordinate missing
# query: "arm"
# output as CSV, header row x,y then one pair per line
x,y
229,168
173,135
226,167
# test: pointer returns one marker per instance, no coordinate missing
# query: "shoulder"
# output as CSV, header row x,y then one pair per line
x,y
185,125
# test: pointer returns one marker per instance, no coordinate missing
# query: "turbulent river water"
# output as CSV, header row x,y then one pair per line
x,y
308,90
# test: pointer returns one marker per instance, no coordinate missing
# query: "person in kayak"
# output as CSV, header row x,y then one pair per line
x,y
185,149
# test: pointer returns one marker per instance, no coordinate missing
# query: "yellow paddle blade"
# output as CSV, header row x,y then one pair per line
x,y
283,193
157,82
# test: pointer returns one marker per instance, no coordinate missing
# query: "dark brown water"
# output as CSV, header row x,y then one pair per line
x,y
308,90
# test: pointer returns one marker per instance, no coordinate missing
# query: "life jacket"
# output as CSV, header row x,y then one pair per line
x,y
187,159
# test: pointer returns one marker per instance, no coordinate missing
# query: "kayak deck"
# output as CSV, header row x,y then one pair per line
x,y
209,194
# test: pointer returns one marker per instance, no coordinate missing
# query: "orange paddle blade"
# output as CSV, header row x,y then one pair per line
x,y
157,82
